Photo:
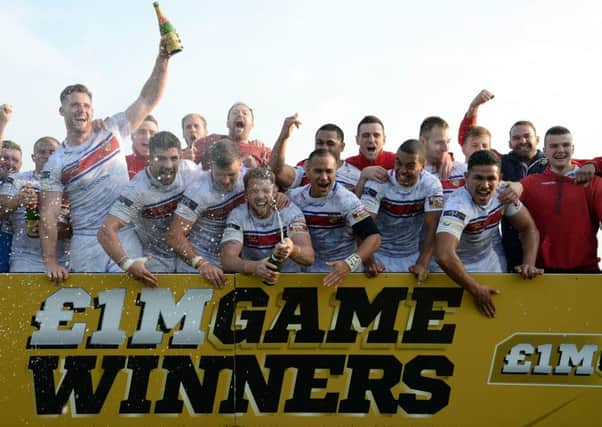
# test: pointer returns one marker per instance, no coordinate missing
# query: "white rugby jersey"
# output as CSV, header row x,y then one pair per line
x,y
330,220
149,205
91,175
24,246
477,228
259,236
400,211
347,174
455,180
207,208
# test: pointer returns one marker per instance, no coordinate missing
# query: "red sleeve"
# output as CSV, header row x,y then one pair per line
x,y
467,123
355,161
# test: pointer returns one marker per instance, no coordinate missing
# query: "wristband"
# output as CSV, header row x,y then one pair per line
x,y
126,262
354,262
194,261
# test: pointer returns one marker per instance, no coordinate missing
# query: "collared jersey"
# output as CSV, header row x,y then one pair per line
x,y
400,211
330,220
477,229
208,207
259,236
150,205
91,175
454,182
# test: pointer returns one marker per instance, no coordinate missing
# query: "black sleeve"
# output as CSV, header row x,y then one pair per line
x,y
366,227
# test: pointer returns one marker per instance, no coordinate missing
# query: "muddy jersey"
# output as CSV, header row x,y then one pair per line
x,y
478,230
330,220
91,175
149,205
259,236
26,246
208,207
400,211
347,174
454,182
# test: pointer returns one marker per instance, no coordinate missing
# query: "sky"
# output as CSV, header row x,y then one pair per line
x,y
330,61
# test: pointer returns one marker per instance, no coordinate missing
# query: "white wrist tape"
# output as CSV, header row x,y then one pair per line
x,y
127,262
194,262
354,262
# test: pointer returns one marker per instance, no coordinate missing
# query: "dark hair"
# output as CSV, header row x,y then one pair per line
x,y
368,120
11,145
320,152
236,104
431,122
201,118
475,132
556,130
329,127
484,158
224,152
164,140
522,123
413,146
259,173
45,139
78,87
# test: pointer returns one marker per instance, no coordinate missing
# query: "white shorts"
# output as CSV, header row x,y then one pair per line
x,y
396,264
159,264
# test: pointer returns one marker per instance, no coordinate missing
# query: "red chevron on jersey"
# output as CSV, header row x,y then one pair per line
x,y
221,211
104,151
452,183
492,220
401,209
162,209
261,240
324,220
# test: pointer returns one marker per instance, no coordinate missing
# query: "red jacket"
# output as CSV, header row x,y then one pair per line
x,y
567,216
135,164
386,159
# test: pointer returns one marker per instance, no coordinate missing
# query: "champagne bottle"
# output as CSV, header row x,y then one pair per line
x,y
32,220
274,260
173,44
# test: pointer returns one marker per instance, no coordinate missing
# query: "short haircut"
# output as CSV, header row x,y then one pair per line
x,y
224,152
330,127
413,146
556,130
198,116
259,173
78,87
242,104
432,122
522,123
45,139
151,118
320,152
476,132
484,158
368,120
11,145
163,140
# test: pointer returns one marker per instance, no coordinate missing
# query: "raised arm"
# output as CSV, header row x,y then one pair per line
x,y
529,238
50,206
285,174
445,254
470,118
151,91
6,112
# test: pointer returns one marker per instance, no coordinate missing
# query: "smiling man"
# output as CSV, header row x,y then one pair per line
x,y
149,202
468,238
140,156
406,208
566,213
253,232
336,220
